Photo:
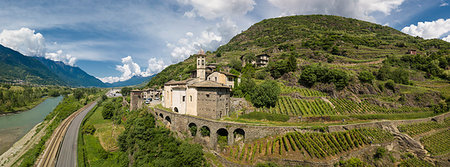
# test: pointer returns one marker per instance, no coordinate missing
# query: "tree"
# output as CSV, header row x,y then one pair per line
x,y
277,68
266,94
77,93
292,63
366,76
248,71
235,64
108,110
125,91
308,77
249,58
245,88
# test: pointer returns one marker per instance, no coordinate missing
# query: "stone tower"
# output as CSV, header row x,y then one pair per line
x,y
201,65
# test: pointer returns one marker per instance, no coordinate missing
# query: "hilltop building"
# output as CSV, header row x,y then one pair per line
x,y
261,60
199,96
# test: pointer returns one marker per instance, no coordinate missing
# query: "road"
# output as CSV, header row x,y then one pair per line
x,y
68,153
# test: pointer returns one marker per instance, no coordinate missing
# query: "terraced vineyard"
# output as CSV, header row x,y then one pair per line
x,y
291,106
308,145
438,143
414,162
419,128
301,91
316,107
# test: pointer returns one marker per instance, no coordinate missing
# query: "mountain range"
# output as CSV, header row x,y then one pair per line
x,y
17,68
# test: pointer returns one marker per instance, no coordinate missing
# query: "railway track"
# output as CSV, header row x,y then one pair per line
x,y
51,151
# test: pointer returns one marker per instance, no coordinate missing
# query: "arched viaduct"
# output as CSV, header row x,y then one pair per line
x,y
234,132
238,132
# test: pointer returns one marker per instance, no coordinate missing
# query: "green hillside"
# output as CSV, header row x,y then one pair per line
x,y
15,66
358,67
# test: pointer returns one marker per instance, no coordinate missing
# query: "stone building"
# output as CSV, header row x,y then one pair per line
x,y
198,96
262,60
224,78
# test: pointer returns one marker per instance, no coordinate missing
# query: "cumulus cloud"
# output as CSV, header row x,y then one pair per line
x,y
212,9
60,56
446,38
190,44
30,43
443,4
429,30
154,66
24,40
129,69
361,9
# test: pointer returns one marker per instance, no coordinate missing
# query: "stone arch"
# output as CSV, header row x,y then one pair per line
x,y
239,135
175,109
205,131
222,137
193,128
168,119
161,115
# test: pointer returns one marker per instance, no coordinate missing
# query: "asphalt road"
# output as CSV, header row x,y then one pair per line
x,y
67,156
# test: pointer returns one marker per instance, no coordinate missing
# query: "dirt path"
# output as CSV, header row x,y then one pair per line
x,y
24,144
365,63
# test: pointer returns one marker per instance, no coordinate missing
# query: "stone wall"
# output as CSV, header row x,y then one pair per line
x,y
179,123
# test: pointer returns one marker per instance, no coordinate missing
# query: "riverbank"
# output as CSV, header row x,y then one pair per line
x,y
19,148
24,108
14,126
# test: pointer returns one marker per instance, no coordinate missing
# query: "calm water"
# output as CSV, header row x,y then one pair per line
x,y
15,126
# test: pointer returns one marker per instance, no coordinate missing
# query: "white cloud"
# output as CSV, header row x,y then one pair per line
x,y
24,40
129,69
429,30
30,43
446,38
59,56
361,9
154,66
207,40
443,4
212,9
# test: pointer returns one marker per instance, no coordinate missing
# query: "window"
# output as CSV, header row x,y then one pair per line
x,y
184,98
198,62
215,78
207,95
203,62
190,97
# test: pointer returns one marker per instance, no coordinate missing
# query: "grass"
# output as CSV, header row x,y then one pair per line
x,y
100,149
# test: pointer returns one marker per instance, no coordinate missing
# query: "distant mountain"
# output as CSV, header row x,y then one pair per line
x,y
15,67
73,76
135,80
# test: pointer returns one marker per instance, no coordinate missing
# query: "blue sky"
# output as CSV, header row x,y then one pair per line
x,y
117,39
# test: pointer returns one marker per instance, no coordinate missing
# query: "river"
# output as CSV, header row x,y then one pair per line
x,y
15,126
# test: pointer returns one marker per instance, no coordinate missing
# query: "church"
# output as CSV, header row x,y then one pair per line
x,y
199,96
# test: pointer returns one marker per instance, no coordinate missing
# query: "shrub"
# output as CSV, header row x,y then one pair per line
x,y
366,76
193,130
390,84
88,129
442,107
381,151
204,131
317,73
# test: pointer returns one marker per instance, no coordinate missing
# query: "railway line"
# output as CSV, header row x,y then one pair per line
x,y
54,144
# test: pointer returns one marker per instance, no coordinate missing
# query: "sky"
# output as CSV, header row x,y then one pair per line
x,y
115,40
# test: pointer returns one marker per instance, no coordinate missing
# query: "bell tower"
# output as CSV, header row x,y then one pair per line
x,y
201,65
